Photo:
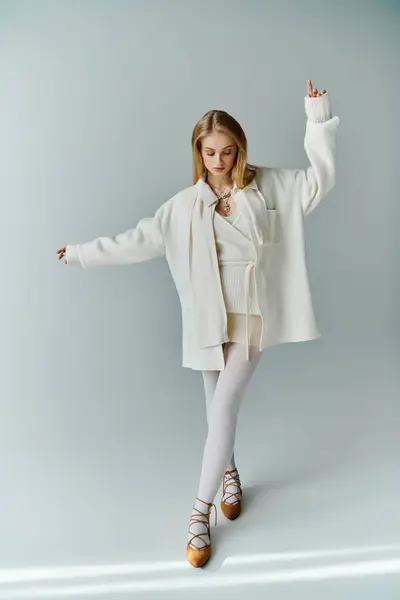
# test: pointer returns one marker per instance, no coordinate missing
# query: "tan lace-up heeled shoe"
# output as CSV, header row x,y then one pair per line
x,y
198,556
231,509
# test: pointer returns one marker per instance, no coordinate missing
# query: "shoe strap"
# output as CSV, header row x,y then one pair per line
x,y
195,519
231,480
204,514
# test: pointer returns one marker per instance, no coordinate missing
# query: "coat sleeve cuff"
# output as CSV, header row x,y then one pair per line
x,y
318,109
72,254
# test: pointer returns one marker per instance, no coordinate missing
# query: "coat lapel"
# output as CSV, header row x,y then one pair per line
x,y
252,201
208,302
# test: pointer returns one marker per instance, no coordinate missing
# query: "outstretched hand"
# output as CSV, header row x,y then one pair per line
x,y
61,253
313,92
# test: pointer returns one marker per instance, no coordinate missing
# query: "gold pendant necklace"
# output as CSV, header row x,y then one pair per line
x,y
223,197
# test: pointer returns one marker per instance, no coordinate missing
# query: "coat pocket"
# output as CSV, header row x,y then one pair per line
x,y
271,227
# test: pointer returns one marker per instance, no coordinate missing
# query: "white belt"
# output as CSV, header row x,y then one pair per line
x,y
247,273
247,292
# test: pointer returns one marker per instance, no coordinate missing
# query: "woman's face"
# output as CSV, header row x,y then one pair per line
x,y
219,153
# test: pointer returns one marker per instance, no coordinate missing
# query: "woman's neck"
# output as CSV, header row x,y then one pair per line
x,y
221,181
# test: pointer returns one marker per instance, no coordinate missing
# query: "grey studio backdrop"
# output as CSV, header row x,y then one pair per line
x,y
102,430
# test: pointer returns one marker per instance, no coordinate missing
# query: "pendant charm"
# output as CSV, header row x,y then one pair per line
x,y
224,198
227,208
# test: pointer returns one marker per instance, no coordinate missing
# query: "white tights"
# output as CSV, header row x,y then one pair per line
x,y
224,391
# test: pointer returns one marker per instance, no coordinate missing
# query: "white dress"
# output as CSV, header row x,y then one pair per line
x,y
236,258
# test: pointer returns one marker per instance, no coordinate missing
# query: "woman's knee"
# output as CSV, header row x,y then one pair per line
x,y
223,414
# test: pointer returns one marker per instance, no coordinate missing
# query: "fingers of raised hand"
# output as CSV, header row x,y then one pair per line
x,y
313,92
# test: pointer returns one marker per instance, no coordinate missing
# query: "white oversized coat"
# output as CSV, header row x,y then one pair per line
x,y
276,203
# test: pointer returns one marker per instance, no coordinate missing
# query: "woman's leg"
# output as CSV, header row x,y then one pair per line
x,y
222,419
210,379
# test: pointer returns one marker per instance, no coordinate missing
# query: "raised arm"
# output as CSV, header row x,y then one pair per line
x,y
141,243
316,181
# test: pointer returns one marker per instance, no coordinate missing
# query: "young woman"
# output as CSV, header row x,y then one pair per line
x,y
234,242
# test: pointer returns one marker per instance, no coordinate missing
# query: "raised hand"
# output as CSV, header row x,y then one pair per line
x,y
313,92
61,252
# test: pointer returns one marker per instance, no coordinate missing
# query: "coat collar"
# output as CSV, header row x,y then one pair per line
x,y
205,191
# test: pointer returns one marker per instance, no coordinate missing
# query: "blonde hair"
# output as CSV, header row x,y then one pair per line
x,y
221,122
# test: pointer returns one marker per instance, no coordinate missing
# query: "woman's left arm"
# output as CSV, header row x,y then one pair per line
x,y
319,178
